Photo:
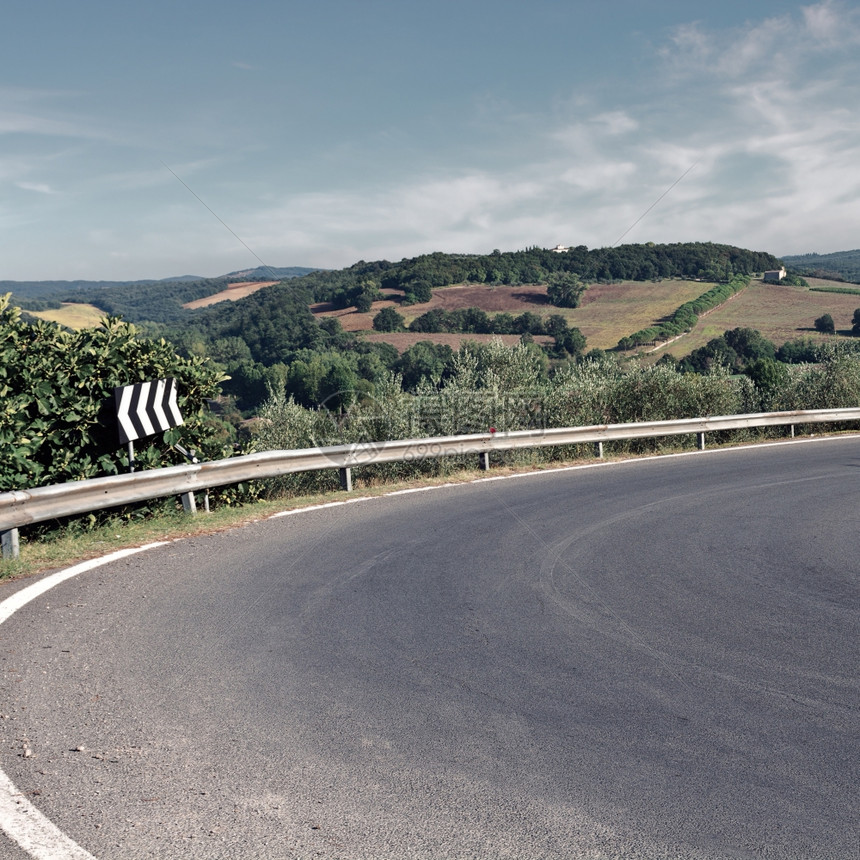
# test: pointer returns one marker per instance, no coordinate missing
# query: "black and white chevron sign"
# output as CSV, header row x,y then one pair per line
x,y
146,408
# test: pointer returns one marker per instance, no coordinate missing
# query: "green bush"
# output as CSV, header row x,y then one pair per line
x,y
57,412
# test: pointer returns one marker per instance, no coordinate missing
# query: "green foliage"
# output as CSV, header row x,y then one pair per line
x,y
564,289
832,383
845,291
508,388
825,324
388,320
424,361
475,321
733,350
57,413
799,351
770,377
38,304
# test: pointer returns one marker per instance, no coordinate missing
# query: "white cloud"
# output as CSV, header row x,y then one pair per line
x,y
38,187
831,24
764,111
616,122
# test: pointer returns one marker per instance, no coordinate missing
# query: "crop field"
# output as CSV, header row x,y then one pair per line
x,y
778,311
608,311
514,300
611,311
72,315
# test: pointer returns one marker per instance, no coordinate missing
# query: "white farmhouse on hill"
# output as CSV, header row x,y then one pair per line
x,y
774,275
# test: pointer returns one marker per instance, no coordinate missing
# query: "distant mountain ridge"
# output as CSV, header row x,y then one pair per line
x,y
267,273
42,289
840,265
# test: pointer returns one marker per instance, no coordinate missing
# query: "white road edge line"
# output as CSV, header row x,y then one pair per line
x,y
42,839
19,819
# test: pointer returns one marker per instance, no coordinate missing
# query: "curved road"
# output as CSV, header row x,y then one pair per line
x,y
654,659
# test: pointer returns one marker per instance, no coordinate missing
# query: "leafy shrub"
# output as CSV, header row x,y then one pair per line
x,y
388,320
57,413
825,324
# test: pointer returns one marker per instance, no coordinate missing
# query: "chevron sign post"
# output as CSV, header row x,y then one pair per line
x,y
145,409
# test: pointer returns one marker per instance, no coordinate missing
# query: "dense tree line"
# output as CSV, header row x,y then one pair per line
x,y
568,341
736,350
508,388
157,302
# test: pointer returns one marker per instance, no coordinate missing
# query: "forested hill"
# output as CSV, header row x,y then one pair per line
x,y
275,321
417,275
75,290
162,301
840,266
136,301
52,289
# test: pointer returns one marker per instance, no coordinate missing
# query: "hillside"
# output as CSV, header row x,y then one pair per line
x,y
314,333
842,265
73,315
607,312
184,287
780,312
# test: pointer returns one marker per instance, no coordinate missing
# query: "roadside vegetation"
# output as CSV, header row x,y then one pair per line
x,y
266,373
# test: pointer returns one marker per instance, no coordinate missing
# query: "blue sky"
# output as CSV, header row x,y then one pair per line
x,y
329,131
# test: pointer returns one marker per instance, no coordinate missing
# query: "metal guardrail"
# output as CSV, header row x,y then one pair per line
x,y
24,507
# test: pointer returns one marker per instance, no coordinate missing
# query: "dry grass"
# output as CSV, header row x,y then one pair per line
x,y
779,312
233,293
611,311
608,311
72,315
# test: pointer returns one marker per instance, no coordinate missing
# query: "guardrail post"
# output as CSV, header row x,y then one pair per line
x,y
9,541
598,449
792,430
189,503
484,461
345,475
700,441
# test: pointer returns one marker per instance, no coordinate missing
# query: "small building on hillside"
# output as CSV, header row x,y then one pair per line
x,y
560,249
774,276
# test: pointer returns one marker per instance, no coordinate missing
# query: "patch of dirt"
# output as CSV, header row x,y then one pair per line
x,y
233,293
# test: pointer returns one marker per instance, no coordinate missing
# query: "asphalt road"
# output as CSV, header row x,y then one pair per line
x,y
655,659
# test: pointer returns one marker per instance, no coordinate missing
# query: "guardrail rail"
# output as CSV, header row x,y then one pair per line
x,y
25,507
